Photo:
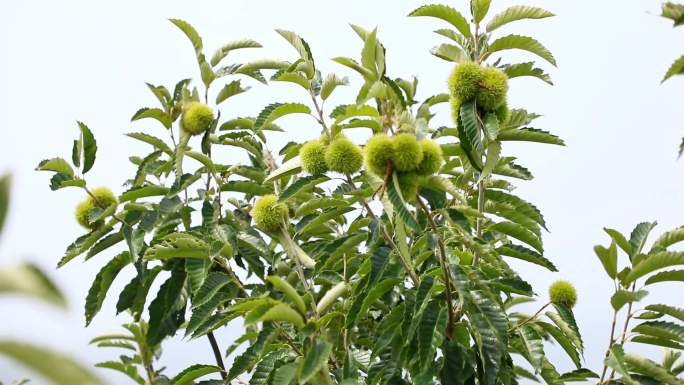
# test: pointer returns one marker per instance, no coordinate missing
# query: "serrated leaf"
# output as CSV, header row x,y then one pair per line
x,y
89,147
399,204
314,360
450,52
58,165
152,113
446,13
652,263
668,239
526,69
524,43
661,329
101,284
563,340
143,192
521,252
619,239
469,133
222,52
189,375
55,367
493,154
623,297
214,282
491,331
638,237
528,134
652,369
285,374
167,310
676,68
178,245
479,9
277,110
516,12
608,258
153,140
231,89
616,361
666,276
191,33
518,232
565,320
532,342
299,185
289,291
331,82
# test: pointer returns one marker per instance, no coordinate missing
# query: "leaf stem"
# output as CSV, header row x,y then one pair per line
x,y
530,318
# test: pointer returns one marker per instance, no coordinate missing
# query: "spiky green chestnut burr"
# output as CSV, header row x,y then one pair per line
x,y
432,157
378,152
268,214
407,152
343,156
563,293
464,81
197,118
312,155
492,89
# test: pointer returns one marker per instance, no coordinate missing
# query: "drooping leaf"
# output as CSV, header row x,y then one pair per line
x,y
446,13
57,368
189,375
518,232
608,258
331,82
277,110
677,68
58,165
314,360
291,293
652,263
520,252
532,342
231,89
623,297
89,146
516,12
225,49
528,134
672,311
101,284
399,204
524,43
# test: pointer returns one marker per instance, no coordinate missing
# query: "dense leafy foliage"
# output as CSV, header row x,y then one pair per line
x,y
384,262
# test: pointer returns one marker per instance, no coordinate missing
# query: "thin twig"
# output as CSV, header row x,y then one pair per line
x,y
217,354
530,318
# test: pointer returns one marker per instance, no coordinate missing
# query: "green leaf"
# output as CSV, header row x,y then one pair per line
x,y
479,9
493,154
469,133
277,110
657,341
262,371
5,187
668,239
651,369
426,331
652,263
619,239
167,310
291,167
292,77
214,282
566,325
289,291
668,310
446,13
677,68
285,374
129,369
314,360
674,12
399,204
521,252
533,345
89,147
247,187
608,258
368,54
153,140
28,279
283,312
623,297
637,238
222,52
516,12
524,43
301,184
143,192
57,165
191,33
450,52
178,245
331,82
528,134
616,361
563,340
353,64
666,276
231,89
661,329
526,69
491,331
153,113
101,284
58,369
518,232
189,375
579,375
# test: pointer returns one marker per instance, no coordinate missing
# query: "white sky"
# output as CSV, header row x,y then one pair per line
x,y
69,60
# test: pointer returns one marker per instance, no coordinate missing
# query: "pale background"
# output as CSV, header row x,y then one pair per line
x,y
86,60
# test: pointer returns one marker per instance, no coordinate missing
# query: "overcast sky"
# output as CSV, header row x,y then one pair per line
x,y
83,60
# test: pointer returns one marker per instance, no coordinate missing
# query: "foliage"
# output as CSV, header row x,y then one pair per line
x,y
397,273
659,324
29,280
